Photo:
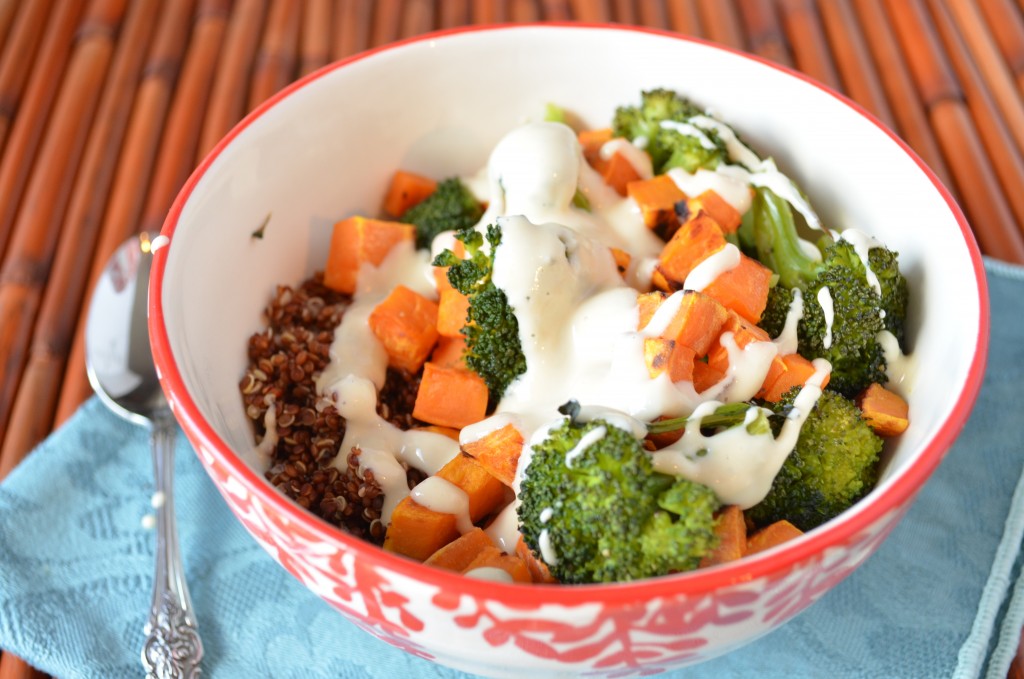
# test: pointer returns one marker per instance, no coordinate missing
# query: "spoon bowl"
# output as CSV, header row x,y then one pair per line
x,y
120,367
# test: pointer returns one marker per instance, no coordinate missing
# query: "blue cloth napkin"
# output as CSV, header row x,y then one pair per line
x,y
937,600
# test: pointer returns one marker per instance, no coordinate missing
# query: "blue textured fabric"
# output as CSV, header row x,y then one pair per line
x,y
937,600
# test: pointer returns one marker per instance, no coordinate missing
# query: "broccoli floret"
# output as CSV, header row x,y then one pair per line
x,y
668,147
834,464
850,341
451,207
600,508
493,349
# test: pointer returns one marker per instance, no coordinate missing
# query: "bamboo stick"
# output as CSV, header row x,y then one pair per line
x,y
352,27
907,109
387,21
488,11
417,18
852,58
524,10
1005,156
1007,26
19,54
452,13
553,10
132,175
33,111
986,207
230,85
624,11
922,52
274,66
764,32
64,298
993,71
683,17
721,23
8,10
652,13
591,11
13,667
27,262
807,41
177,156
315,36
987,211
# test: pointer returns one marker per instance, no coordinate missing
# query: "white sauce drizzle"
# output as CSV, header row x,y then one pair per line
x,y
444,497
787,341
827,308
546,514
689,130
705,273
504,529
490,574
899,367
389,474
547,551
738,151
635,155
747,367
737,465
587,440
862,244
728,181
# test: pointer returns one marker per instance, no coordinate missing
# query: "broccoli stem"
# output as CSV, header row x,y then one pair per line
x,y
724,417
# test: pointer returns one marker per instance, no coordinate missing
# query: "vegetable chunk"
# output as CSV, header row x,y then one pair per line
x,y
406,324
359,240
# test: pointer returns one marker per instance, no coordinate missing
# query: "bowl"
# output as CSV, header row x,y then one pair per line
x,y
325,147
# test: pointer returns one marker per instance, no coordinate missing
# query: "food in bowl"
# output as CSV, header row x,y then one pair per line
x,y
613,355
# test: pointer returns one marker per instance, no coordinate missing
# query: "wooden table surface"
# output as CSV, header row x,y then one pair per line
x,y
106,106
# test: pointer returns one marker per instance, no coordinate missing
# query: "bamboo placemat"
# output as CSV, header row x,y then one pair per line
x,y
107,105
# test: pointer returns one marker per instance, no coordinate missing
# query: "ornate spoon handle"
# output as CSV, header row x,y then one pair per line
x,y
173,648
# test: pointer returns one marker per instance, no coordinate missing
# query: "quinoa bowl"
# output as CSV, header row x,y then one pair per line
x,y
258,213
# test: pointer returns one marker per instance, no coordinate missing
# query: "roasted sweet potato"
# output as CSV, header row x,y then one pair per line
x,y
886,412
450,397
406,324
498,452
359,240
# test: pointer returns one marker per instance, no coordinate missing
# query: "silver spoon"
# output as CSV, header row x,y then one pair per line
x,y
121,371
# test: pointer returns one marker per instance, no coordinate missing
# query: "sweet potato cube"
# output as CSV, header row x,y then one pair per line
x,y
406,324
717,208
743,332
591,142
418,532
649,303
495,558
696,240
406,190
772,535
744,289
705,377
619,172
697,322
657,200
485,492
450,397
667,356
886,412
796,370
450,353
459,553
359,240
498,452
731,530
659,282
452,308
538,569
622,260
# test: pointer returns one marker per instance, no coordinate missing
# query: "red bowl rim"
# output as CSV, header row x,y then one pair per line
x,y
775,561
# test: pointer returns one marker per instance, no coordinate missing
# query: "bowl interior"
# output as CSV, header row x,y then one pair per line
x,y
326,148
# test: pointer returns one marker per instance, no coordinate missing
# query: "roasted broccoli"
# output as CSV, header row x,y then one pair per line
x,y
594,510
493,349
667,144
451,207
848,335
834,464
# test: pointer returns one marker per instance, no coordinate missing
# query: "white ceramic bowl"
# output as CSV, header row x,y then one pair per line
x,y
325,148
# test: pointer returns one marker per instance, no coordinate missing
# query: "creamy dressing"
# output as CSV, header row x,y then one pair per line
x,y
899,367
828,309
490,574
748,366
547,550
444,497
389,475
265,448
787,341
633,154
504,529
737,150
862,244
728,181
705,273
689,130
739,466
587,440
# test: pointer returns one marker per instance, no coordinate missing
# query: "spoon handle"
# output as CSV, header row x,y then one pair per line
x,y
173,648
